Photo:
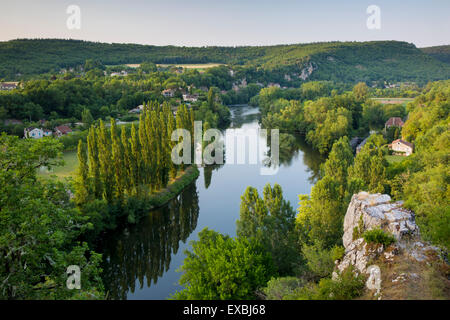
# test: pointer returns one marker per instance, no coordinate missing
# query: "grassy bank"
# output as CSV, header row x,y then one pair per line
x,y
174,188
65,171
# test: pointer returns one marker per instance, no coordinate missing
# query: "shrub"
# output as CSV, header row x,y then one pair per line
x,y
347,286
337,252
319,260
282,288
378,236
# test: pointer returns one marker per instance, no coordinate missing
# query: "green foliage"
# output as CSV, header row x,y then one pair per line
x,y
360,91
212,112
319,260
320,216
270,222
39,227
322,121
343,61
368,172
423,180
223,268
441,53
337,253
281,288
378,236
347,286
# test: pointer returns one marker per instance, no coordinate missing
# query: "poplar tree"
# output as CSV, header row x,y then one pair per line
x,y
104,155
135,159
165,150
82,194
94,166
117,161
127,160
170,129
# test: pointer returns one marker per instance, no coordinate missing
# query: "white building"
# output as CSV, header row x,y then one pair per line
x,y
35,133
190,98
401,147
168,93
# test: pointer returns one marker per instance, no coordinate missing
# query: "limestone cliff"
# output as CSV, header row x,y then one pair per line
x,y
408,268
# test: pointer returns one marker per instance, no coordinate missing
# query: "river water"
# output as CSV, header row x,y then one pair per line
x,y
141,261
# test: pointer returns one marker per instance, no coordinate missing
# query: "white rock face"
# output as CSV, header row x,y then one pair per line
x,y
307,71
374,280
374,211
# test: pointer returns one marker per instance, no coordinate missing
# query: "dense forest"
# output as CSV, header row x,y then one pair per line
x,y
343,61
439,52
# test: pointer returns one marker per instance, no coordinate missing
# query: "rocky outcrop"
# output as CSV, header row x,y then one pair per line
x,y
307,71
374,211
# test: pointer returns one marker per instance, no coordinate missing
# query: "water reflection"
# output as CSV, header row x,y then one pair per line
x,y
140,261
290,146
207,173
143,251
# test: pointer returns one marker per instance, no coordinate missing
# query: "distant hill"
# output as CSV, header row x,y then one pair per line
x,y
441,53
339,61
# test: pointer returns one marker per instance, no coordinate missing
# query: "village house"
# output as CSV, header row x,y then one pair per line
x,y
35,133
168,93
394,122
117,74
138,109
190,98
62,130
8,85
401,147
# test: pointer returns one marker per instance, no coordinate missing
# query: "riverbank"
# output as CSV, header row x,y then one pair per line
x,y
174,188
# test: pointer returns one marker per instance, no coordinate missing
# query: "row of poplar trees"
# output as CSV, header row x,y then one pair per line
x,y
120,162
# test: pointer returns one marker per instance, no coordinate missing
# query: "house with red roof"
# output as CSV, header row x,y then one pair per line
x,y
62,130
394,122
401,147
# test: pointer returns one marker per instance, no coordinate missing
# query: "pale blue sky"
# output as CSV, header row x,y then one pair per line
x,y
228,22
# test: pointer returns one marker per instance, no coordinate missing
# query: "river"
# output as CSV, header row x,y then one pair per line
x,y
141,261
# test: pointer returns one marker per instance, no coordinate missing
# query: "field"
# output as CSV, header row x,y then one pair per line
x,y
393,100
71,164
199,67
394,159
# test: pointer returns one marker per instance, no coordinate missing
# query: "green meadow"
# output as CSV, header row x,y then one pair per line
x,y
65,171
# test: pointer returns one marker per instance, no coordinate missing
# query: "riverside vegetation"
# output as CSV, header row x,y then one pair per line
x,y
279,253
294,254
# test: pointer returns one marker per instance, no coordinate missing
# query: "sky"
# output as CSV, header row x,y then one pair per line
x,y
227,22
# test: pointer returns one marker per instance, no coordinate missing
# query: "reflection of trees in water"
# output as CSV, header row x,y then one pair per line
x,y
241,120
290,146
242,115
143,251
312,158
207,172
